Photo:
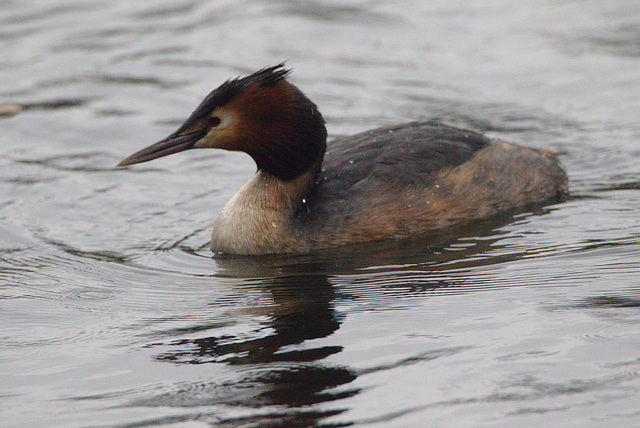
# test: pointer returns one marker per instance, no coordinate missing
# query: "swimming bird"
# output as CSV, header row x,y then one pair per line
x,y
387,183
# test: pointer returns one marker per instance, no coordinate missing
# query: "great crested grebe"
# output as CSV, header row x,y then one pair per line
x,y
391,182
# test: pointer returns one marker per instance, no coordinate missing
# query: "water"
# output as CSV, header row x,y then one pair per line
x,y
113,312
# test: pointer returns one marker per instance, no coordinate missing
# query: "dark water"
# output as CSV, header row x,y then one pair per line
x,y
113,312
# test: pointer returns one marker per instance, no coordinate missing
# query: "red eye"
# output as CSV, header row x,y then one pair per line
x,y
214,121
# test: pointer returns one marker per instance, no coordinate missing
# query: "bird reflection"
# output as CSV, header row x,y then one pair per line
x,y
302,311
281,364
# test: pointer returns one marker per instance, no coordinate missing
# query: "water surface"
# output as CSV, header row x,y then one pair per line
x,y
114,313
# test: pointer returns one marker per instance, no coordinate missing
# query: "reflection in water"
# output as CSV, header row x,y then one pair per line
x,y
282,367
302,310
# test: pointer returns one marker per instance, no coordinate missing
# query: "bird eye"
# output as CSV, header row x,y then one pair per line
x,y
214,121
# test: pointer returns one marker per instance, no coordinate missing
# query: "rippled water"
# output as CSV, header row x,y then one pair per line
x,y
113,312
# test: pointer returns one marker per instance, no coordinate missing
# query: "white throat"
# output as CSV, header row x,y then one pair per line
x,y
257,219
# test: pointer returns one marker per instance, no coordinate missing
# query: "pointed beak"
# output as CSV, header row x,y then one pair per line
x,y
174,143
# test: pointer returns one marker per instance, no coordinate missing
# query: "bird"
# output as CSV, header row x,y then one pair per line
x,y
392,182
